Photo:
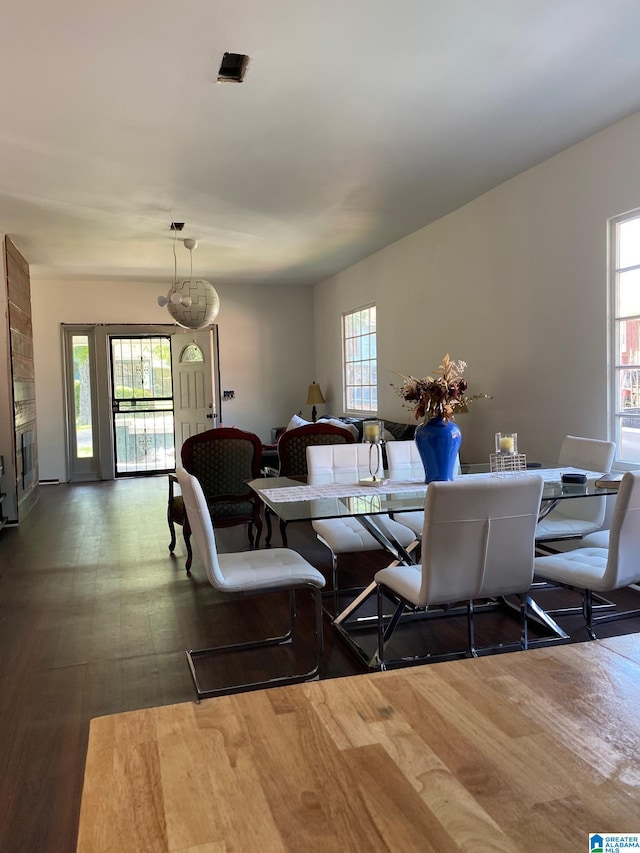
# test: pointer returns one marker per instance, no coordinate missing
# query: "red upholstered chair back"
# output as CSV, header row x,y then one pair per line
x,y
223,460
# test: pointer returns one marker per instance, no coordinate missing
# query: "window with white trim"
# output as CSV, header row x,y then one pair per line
x,y
360,365
626,336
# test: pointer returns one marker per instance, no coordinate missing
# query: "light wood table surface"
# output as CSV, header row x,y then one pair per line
x,y
528,751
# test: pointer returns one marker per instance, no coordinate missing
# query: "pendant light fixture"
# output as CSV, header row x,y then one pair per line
x,y
192,302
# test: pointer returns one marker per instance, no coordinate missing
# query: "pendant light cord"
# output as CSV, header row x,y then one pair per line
x,y
175,258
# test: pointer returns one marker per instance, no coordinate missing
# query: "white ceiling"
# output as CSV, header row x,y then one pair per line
x,y
358,122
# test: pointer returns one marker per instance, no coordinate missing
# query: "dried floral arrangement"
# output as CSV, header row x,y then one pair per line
x,y
438,396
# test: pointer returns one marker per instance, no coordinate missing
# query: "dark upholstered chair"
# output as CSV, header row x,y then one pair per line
x,y
222,460
292,457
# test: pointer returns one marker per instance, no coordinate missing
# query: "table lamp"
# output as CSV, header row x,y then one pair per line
x,y
314,395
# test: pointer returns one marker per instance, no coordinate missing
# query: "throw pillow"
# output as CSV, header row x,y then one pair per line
x,y
297,421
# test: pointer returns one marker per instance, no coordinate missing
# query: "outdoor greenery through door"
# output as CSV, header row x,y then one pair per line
x,y
142,404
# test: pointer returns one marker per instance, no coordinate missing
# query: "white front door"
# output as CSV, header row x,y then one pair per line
x,y
195,393
91,451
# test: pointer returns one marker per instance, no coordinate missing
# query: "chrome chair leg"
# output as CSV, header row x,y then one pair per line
x,y
334,581
283,639
384,634
381,662
524,637
587,602
267,518
472,649
393,623
317,602
292,613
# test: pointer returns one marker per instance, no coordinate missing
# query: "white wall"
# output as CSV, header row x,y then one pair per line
x,y
266,349
514,284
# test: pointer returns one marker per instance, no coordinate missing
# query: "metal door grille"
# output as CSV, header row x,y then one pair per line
x,y
142,403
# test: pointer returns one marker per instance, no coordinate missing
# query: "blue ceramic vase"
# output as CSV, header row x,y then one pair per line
x,y
438,442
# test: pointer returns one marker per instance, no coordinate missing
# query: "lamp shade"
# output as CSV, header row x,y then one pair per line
x,y
314,395
193,303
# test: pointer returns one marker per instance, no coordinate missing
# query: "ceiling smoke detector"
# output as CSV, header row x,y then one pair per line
x,y
233,68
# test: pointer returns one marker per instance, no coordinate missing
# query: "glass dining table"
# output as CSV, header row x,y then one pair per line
x,y
293,501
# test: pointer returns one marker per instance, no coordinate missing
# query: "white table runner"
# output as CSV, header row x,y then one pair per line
x,y
290,494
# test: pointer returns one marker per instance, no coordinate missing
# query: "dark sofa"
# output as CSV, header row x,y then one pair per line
x,y
399,431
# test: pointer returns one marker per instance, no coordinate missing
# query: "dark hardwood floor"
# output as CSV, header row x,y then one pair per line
x,y
95,618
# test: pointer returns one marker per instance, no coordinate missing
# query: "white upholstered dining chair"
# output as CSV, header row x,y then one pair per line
x,y
477,542
597,570
249,573
573,519
347,463
404,463
599,539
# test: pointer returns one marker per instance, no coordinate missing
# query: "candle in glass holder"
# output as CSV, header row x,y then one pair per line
x,y
371,432
506,442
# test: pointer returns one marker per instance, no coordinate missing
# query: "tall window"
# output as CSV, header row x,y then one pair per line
x,y
82,396
626,336
360,360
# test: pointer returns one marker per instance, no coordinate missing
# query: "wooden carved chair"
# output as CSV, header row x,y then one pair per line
x,y
222,460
